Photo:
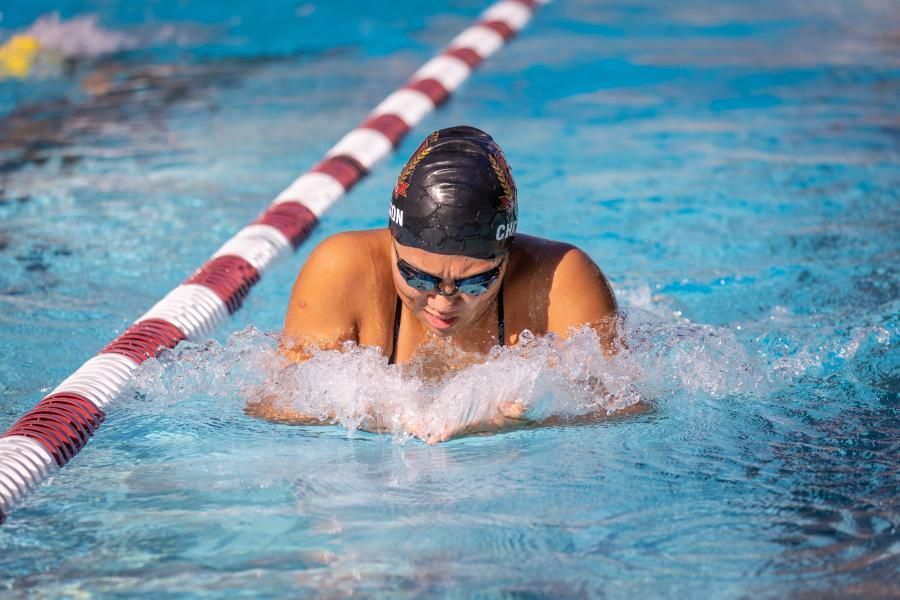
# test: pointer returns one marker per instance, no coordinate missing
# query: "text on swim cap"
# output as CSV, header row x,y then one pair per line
x,y
396,215
505,231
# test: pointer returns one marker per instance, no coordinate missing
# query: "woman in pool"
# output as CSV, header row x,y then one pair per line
x,y
450,269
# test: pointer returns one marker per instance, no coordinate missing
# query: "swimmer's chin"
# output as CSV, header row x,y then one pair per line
x,y
442,333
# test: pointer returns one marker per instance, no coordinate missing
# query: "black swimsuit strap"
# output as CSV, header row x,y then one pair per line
x,y
396,331
501,325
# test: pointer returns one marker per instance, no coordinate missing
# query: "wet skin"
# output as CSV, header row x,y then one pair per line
x,y
348,288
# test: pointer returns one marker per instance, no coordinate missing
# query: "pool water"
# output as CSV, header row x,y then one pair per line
x,y
732,168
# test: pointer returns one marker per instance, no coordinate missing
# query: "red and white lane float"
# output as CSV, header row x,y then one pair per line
x,y
54,431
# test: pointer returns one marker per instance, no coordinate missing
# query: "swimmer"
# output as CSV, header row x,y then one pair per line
x,y
450,271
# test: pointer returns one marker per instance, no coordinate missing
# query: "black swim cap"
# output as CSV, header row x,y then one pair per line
x,y
456,195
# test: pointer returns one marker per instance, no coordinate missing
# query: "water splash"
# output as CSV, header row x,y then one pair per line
x,y
48,44
444,389
79,37
83,36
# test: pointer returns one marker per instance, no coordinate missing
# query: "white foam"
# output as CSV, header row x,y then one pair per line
x,y
83,36
79,37
448,390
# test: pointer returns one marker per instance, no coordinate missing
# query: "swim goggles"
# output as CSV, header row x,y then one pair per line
x,y
475,285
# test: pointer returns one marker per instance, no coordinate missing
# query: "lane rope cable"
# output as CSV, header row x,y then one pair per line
x,y
57,428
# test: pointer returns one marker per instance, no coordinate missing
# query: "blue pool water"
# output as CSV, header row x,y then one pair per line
x,y
732,168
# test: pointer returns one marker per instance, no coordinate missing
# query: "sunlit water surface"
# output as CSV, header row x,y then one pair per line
x,y
733,169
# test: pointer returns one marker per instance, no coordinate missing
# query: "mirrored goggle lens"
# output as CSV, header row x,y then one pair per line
x,y
420,284
473,289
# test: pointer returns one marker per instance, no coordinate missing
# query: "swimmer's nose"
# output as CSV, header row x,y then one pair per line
x,y
447,289
442,303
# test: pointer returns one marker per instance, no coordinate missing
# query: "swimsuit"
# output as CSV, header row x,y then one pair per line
x,y
501,327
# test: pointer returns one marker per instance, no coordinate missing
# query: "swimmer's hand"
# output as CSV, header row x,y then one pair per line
x,y
510,415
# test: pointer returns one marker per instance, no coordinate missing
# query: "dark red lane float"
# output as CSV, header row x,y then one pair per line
x,y
292,219
392,126
346,170
62,423
432,88
145,339
467,55
230,277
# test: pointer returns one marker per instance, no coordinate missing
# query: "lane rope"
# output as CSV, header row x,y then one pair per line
x,y
57,428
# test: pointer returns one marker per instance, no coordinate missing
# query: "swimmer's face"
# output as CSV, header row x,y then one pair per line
x,y
445,315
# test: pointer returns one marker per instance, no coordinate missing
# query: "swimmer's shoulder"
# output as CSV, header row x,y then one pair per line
x,y
338,268
563,283
333,292
535,256
350,253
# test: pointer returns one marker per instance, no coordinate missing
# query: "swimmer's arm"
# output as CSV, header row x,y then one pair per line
x,y
321,313
512,415
509,416
638,408
268,409
324,304
581,295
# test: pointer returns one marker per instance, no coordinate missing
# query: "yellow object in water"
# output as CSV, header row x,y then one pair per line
x,y
18,55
